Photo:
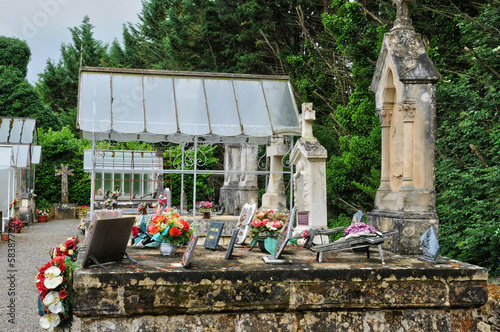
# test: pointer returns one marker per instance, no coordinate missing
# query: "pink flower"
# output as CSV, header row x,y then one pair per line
x,y
305,234
256,223
261,215
264,222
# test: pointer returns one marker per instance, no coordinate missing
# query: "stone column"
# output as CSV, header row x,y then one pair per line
x,y
408,110
385,115
275,198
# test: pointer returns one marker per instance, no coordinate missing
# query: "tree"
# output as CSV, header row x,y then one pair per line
x,y
58,84
18,98
61,147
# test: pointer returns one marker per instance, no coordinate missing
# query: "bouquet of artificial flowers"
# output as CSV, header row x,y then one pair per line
x,y
167,226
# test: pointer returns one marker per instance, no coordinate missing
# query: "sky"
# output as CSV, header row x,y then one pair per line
x,y
44,24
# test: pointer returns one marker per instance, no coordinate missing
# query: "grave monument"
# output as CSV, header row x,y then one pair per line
x,y
64,210
405,93
309,158
239,188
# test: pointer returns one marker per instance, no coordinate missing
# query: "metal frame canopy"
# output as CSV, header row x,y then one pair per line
x,y
157,106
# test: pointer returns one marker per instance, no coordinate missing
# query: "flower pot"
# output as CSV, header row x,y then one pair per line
x,y
42,218
144,212
167,249
206,215
17,230
262,246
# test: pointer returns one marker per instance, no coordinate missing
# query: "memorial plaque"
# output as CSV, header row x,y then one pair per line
x,y
108,241
213,235
303,218
186,259
229,251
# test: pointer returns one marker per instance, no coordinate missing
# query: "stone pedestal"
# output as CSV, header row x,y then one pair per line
x,y
239,188
26,209
405,94
64,210
309,158
347,292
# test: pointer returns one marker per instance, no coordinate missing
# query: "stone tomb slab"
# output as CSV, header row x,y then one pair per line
x,y
244,293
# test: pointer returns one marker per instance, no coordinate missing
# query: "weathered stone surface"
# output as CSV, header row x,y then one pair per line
x,y
245,294
342,321
490,312
64,210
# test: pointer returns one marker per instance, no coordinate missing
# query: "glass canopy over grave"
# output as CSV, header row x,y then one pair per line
x,y
182,107
156,106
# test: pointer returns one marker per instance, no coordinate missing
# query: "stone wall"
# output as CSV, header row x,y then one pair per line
x,y
346,292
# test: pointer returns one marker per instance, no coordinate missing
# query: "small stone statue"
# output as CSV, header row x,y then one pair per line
x,y
430,246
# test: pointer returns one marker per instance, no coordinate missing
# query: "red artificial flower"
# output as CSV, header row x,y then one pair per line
x,y
40,285
135,231
63,294
62,267
174,231
185,225
44,268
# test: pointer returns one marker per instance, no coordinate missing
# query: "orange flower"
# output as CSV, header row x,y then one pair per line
x,y
176,215
158,219
153,229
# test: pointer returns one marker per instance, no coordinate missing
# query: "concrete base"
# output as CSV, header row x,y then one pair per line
x,y
347,292
410,225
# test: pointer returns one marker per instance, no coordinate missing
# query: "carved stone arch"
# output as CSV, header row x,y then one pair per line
x,y
389,95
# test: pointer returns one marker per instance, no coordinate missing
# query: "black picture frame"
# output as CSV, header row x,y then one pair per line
x,y
230,248
108,241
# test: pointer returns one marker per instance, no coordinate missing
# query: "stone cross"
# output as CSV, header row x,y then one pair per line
x,y
307,117
403,20
64,172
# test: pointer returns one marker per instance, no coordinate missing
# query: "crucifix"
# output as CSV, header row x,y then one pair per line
x,y
402,15
64,172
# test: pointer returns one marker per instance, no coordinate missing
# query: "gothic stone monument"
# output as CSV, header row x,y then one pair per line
x,y
404,87
309,158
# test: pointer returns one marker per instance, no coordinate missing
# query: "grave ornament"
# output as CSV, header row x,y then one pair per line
x,y
430,246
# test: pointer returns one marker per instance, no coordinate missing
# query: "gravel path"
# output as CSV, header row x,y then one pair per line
x,y
31,250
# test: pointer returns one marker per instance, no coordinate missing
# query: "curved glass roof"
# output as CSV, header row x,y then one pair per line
x,y
153,106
